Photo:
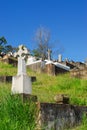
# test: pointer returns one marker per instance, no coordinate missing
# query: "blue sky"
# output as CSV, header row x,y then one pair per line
x,y
66,20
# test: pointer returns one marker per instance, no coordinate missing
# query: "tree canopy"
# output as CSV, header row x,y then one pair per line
x,y
3,42
5,47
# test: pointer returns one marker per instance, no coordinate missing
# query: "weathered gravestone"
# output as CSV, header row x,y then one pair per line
x,y
61,99
21,83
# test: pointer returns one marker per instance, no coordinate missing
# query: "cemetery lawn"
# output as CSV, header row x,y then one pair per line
x,y
46,87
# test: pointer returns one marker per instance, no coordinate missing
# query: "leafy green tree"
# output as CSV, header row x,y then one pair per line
x,y
4,47
3,42
9,48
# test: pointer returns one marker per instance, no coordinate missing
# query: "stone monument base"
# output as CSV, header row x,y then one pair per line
x,y
27,97
21,84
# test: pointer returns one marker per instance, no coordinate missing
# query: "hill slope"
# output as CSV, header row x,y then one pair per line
x,y
46,87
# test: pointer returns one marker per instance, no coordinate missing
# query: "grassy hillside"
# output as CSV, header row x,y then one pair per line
x,y
46,87
6,69
14,114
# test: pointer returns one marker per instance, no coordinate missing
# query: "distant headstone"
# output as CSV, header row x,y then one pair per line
x,y
59,58
66,60
49,54
22,82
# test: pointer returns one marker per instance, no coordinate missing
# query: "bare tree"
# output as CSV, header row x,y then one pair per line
x,y
42,38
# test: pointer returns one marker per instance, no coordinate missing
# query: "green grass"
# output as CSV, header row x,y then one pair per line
x,y
6,69
46,87
15,115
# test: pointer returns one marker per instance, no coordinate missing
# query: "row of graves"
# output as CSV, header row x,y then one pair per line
x,y
76,69
56,116
46,66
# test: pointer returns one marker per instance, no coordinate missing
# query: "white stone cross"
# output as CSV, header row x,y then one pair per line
x,y
22,51
21,66
21,61
22,82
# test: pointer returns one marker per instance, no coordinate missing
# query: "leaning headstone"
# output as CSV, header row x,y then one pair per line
x,y
21,83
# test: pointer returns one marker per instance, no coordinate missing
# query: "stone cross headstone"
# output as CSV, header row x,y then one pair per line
x,y
22,82
22,52
21,62
21,66
49,54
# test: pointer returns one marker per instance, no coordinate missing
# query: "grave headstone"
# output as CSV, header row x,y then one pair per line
x,y
59,58
22,52
21,83
49,54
